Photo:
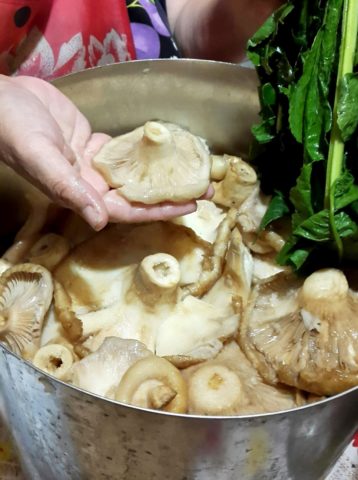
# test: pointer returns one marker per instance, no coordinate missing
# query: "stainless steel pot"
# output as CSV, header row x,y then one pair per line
x,y
64,433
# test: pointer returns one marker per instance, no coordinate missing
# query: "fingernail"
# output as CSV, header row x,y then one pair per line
x,y
93,216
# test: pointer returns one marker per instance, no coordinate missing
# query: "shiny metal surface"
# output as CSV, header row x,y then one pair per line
x,y
66,434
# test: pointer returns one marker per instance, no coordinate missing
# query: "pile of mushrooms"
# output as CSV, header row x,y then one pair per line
x,y
191,315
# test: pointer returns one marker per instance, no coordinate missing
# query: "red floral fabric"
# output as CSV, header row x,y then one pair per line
x,y
49,38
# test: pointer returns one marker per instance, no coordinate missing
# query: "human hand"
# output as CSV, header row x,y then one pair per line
x,y
48,141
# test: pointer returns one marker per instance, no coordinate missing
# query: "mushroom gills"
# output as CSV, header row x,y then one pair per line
x,y
25,297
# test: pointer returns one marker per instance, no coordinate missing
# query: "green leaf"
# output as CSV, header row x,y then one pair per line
x,y
316,228
345,191
277,209
310,113
347,110
293,256
270,26
264,132
300,196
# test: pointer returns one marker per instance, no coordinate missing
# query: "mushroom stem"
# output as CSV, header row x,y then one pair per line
x,y
219,166
160,396
214,390
157,134
49,251
328,285
63,310
54,359
17,252
157,278
211,274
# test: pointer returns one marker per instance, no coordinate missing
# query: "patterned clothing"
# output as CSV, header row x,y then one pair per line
x,y
49,38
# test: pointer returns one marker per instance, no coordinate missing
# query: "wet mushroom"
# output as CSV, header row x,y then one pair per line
x,y
219,166
231,292
101,372
92,274
195,331
230,385
249,217
28,234
153,383
49,251
239,182
156,162
204,221
157,279
54,359
304,335
213,265
25,297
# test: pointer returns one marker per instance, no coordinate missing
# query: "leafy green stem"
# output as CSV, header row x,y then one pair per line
x,y
336,147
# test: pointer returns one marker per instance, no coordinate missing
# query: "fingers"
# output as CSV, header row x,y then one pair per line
x,y
56,177
209,193
120,210
88,173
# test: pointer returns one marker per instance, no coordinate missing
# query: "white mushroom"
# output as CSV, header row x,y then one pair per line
x,y
250,215
305,337
213,265
204,221
219,166
231,292
157,279
25,297
155,163
229,385
38,210
214,390
49,251
101,371
153,383
93,273
145,298
239,182
194,330
54,359
265,268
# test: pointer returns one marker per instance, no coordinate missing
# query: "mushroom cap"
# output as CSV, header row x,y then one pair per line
x,y
230,385
204,221
195,329
25,297
101,372
156,162
265,268
304,335
94,273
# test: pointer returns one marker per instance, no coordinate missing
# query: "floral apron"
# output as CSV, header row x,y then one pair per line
x,y
49,38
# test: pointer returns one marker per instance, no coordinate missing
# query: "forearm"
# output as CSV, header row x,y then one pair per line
x,y
217,29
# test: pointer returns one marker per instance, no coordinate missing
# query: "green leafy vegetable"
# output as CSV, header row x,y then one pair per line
x,y
306,56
